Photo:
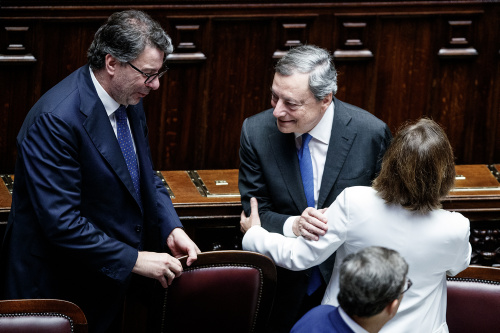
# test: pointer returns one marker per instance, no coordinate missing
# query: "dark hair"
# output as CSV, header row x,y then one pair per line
x,y
418,168
312,60
125,36
370,280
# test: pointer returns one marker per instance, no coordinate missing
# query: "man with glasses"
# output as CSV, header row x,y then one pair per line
x,y
88,209
371,285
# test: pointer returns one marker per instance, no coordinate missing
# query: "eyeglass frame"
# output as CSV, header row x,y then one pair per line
x,y
408,285
149,77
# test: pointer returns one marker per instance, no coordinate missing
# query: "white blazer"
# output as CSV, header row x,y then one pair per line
x,y
433,244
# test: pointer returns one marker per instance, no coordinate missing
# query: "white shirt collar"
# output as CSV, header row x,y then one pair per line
x,y
323,130
351,323
109,103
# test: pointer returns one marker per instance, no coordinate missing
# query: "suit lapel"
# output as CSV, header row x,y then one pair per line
x,y
285,153
101,133
341,141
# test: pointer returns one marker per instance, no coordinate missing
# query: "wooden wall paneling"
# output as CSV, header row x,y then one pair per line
x,y
459,100
16,44
494,106
292,32
241,74
404,68
490,47
459,37
405,78
355,44
20,83
63,46
176,114
353,37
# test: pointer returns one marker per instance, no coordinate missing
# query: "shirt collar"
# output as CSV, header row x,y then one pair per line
x,y
109,103
351,323
323,130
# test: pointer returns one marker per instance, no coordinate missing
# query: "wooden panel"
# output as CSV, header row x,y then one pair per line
x,y
222,67
404,68
241,75
474,178
476,193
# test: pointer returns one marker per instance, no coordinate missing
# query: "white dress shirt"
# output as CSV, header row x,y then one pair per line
x,y
354,326
433,245
318,147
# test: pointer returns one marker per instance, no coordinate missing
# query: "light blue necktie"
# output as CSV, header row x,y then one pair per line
x,y
306,171
125,140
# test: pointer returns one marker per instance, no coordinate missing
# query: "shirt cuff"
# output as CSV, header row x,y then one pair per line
x,y
287,227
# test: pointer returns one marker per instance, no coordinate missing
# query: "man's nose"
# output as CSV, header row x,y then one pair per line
x,y
154,84
279,109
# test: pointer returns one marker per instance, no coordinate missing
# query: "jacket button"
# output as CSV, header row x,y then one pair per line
x,y
138,228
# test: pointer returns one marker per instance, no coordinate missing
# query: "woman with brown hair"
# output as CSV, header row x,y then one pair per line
x,y
402,211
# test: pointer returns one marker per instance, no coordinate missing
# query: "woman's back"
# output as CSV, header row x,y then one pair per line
x,y
433,244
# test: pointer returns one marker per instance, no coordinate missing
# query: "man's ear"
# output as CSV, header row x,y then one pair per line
x,y
393,307
110,63
326,101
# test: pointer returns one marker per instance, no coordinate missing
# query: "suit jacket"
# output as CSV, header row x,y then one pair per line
x,y
322,319
269,168
433,244
76,226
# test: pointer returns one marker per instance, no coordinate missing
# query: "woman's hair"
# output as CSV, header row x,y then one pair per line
x,y
418,169
312,60
125,36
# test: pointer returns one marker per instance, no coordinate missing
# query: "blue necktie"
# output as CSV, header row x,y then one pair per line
x,y
125,140
306,171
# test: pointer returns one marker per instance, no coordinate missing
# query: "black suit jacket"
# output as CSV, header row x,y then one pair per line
x,y
270,170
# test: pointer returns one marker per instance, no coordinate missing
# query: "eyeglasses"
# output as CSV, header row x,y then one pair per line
x,y
408,285
149,77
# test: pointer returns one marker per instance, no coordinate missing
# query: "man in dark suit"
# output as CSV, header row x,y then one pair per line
x,y
372,283
345,148
88,209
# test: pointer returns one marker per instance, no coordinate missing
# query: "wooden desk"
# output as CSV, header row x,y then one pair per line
x,y
476,193
208,204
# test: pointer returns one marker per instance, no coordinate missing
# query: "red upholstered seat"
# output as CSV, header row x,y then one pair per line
x,y
223,291
474,301
41,316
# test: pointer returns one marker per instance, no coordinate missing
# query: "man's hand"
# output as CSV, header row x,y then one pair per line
x,y
160,266
253,220
311,224
180,244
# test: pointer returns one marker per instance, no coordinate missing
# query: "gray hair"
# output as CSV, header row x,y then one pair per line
x,y
125,36
370,280
312,60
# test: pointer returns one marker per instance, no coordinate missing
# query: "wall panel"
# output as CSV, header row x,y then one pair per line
x,y
398,59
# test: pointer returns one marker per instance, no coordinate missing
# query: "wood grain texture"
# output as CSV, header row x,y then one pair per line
x,y
195,117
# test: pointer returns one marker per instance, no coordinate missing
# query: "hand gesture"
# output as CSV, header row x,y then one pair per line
x,y
311,224
253,220
180,244
160,266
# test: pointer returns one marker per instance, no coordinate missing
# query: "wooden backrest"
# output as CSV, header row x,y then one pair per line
x,y
41,316
474,300
223,291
